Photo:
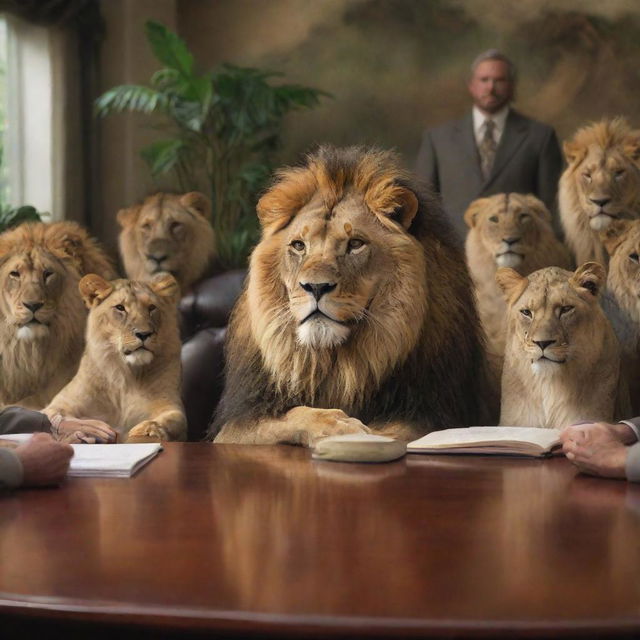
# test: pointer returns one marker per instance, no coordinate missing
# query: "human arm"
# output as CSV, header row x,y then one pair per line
x,y
20,420
38,462
602,449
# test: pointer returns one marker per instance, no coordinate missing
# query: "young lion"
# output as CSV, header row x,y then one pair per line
x,y
358,312
168,233
621,300
562,359
507,230
601,183
42,317
129,375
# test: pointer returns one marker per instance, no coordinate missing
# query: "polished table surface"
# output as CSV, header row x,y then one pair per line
x,y
264,540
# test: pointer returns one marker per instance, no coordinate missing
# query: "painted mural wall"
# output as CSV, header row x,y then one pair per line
x,y
395,67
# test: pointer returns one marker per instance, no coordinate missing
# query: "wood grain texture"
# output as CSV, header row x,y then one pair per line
x,y
263,540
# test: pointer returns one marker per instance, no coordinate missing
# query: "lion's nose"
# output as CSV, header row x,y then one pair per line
x,y
318,289
543,344
142,335
157,258
600,201
32,306
511,240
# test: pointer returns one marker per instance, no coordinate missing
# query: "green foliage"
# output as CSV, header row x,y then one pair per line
x,y
13,216
222,126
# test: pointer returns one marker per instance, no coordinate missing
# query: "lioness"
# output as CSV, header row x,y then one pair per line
x,y
562,358
621,300
42,317
168,233
601,183
507,230
358,313
129,375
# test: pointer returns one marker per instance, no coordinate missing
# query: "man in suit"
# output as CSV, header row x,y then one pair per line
x,y
493,149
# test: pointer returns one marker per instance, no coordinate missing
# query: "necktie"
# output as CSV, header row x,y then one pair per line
x,y
487,148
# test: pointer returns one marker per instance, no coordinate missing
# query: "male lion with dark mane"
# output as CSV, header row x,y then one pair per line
x,y
601,183
507,230
42,317
357,314
168,233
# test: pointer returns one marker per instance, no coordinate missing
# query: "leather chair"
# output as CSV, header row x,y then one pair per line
x,y
204,314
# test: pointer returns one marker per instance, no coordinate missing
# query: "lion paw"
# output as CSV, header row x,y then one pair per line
x,y
147,431
321,423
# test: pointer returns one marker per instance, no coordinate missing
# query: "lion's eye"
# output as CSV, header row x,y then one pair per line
x,y
145,227
119,307
298,245
587,176
493,218
526,313
152,307
618,174
634,257
175,226
14,274
566,309
354,244
524,217
47,274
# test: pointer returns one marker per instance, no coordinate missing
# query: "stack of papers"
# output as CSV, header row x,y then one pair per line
x,y
103,460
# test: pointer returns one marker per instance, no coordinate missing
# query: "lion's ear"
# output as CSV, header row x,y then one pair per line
x,y
94,289
198,202
511,283
165,285
406,207
632,145
612,236
538,208
475,209
589,278
573,152
127,217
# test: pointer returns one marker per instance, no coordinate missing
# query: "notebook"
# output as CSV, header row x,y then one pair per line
x,y
523,441
104,460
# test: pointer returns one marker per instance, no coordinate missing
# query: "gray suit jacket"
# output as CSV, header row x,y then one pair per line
x,y
528,160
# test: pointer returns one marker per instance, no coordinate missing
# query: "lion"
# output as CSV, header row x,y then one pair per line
x,y
42,317
129,374
621,300
507,230
168,233
601,183
562,358
358,311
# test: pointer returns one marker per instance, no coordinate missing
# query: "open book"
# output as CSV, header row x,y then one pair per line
x,y
103,460
521,441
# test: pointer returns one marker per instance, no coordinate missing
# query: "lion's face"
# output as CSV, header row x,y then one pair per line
x,y
131,319
622,241
167,234
333,264
33,286
552,314
508,226
607,183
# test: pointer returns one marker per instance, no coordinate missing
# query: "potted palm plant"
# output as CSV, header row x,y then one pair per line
x,y
222,129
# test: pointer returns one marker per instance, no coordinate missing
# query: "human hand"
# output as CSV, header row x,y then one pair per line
x,y
44,461
81,430
598,448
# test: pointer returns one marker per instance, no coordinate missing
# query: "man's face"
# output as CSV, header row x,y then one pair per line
x,y
490,86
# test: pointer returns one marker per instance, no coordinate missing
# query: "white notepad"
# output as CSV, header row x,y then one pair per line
x,y
104,460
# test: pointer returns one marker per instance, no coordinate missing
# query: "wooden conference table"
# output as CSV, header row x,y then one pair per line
x,y
232,541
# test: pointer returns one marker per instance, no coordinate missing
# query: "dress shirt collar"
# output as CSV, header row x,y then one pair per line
x,y
500,119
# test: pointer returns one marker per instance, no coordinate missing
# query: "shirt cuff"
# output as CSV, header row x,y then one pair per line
x,y
11,472
632,465
634,427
